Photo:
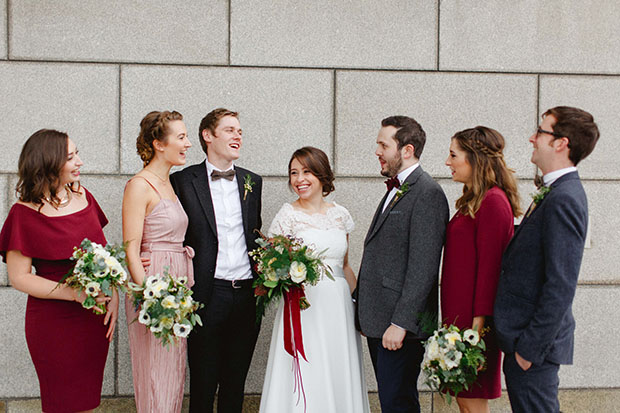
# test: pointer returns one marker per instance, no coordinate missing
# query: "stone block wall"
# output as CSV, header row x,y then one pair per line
x,y
321,73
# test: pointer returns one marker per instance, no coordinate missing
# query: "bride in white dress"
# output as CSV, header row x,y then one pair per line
x,y
333,376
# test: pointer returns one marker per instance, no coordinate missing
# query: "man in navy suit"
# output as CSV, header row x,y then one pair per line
x,y
223,204
533,307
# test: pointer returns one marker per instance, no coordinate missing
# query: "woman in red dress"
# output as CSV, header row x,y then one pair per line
x,y
475,241
68,343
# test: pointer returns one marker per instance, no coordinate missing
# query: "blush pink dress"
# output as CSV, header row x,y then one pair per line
x,y
159,372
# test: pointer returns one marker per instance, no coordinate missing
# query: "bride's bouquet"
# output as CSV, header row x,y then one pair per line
x,y
452,360
166,306
98,270
285,266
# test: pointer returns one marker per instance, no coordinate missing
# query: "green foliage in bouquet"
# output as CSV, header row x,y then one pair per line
x,y
97,270
283,263
166,306
452,360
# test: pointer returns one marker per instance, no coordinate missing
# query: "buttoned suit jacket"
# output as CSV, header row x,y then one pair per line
x,y
540,267
191,186
398,278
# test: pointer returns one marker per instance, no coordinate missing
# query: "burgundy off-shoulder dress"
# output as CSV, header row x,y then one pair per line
x,y
67,342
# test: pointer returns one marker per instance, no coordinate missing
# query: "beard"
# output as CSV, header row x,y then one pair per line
x,y
392,166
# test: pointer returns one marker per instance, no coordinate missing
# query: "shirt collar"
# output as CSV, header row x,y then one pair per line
x,y
402,175
211,167
553,176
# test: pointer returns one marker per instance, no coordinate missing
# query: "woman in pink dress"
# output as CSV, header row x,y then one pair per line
x,y
68,343
154,225
475,241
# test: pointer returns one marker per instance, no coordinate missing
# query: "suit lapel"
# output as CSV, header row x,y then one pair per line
x,y
203,193
373,224
244,203
378,221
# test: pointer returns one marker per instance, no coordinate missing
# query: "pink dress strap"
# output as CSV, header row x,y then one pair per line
x,y
148,182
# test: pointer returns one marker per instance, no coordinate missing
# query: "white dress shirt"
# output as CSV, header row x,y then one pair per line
x,y
402,175
233,262
553,176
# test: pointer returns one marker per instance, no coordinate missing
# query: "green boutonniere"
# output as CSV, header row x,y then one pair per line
x,y
247,185
404,188
540,195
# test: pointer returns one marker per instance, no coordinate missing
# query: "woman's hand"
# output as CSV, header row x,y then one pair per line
x,y
79,296
112,315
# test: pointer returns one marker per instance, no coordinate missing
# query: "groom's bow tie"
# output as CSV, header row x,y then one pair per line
x,y
393,182
229,174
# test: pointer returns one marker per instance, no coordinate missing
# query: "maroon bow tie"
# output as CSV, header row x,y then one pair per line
x,y
229,174
392,183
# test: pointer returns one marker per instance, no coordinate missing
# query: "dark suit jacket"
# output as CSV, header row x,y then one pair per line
x,y
400,266
533,307
192,187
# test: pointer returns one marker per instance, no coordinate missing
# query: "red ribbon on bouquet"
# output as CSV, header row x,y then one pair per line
x,y
293,340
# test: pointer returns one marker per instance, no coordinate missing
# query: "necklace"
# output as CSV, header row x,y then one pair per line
x,y
63,201
158,177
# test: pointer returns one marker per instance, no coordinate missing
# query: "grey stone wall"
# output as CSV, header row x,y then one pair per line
x,y
321,73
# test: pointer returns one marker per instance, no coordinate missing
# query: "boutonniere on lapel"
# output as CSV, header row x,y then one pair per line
x,y
247,185
537,197
404,188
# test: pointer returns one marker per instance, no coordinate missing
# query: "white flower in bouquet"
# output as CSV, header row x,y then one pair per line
x,y
297,271
169,302
182,280
432,352
150,281
144,317
453,358
92,288
453,337
471,336
186,302
148,304
157,327
149,294
159,287
181,330
102,272
167,322
271,275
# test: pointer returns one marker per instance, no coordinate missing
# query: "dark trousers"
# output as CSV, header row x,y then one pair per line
x,y
534,390
397,375
220,352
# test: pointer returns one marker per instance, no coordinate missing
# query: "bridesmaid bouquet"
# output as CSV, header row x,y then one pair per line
x,y
452,359
284,265
166,306
98,270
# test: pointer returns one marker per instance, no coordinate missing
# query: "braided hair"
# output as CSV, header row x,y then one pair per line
x,y
154,126
484,148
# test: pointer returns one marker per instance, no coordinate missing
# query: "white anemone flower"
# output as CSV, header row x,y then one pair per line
x,y
149,294
159,287
92,288
181,279
471,336
102,273
297,271
157,328
151,280
144,317
453,358
169,302
181,330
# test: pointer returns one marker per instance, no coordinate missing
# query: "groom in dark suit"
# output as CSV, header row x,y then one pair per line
x,y
533,307
398,276
223,203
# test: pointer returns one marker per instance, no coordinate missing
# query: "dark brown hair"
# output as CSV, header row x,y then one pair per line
x,y
154,126
210,122
484,150
579,127
317,162
409,133
42,158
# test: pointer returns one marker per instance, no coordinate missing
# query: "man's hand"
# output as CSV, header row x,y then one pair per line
x,y
523,363
393,338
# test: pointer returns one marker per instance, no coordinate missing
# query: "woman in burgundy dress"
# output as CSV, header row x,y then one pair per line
x,y
68,343
475,241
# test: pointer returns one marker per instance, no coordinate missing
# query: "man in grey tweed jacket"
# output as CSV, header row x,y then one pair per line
x,y
399,271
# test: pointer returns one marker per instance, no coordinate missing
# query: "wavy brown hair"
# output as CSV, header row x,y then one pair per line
x,y
484,150
42,157
154,127
317,162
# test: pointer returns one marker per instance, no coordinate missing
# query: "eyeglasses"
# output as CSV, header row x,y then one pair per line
x,y
554,134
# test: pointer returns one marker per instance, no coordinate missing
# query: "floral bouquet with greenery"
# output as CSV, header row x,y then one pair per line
x,y
98,270
166,306
452,359
284,264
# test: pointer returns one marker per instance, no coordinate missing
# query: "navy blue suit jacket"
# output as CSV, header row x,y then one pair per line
x,y
533,307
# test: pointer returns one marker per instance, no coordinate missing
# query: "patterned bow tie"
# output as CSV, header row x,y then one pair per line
x,y
392,183
229,174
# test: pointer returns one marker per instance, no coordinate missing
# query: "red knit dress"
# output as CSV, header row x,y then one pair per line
x,y
67,343
471,268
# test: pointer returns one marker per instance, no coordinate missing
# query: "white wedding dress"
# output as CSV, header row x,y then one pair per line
x,y
333,376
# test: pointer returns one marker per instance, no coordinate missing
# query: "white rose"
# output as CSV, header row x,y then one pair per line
x,y
181,330
297,271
